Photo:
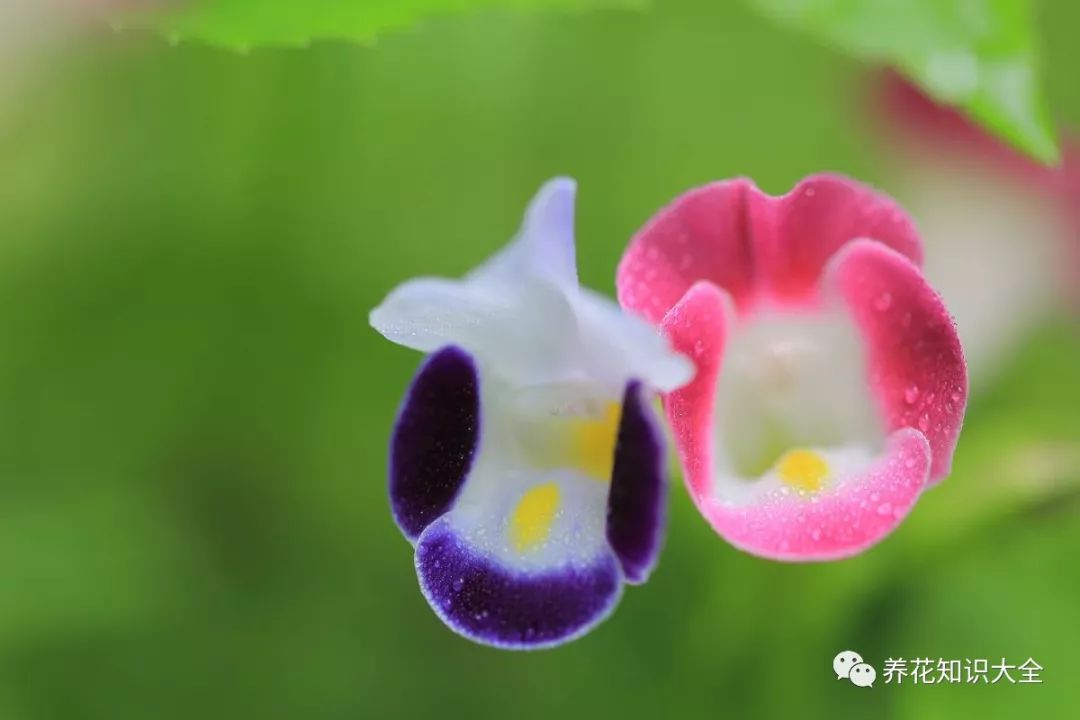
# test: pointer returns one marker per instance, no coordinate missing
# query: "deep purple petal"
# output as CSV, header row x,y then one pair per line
x,y
434,439
636,502
491,604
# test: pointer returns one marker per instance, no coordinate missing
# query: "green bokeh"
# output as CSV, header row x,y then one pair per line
x,y
194,414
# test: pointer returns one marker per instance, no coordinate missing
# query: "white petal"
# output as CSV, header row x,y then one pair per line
x,y
544,246
621,346
527,335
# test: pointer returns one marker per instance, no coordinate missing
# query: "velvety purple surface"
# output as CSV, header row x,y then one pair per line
x,y
636,501
491,604
434,439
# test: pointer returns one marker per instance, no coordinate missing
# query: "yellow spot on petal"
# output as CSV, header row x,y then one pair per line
x,y
803,470
594,443
533,516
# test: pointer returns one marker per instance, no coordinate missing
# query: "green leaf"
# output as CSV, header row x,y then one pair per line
x,y
976,54
242,24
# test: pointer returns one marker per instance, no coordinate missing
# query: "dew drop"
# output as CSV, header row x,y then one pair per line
x,y
911,394
884,509
458,585
909,463
815,534
883,301
924,423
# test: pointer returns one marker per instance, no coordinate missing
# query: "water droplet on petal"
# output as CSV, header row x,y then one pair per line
x,y
883,301
924,423
815,534
911,394
458,585
884,509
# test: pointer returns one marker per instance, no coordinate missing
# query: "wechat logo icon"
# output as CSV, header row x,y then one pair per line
x,y
849,665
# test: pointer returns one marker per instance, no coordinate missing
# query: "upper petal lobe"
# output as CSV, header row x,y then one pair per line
x,y
754,246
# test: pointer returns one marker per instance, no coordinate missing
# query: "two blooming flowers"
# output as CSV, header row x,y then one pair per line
x,y
813,381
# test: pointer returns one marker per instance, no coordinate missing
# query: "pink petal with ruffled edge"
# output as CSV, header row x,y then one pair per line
x,y
754,246
697,328
917,368
783,247
704,235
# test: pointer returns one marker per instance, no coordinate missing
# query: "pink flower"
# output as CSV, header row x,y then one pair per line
x,y
830,385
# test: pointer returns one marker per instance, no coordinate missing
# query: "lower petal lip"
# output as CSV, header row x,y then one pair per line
x,y
836,524
493,605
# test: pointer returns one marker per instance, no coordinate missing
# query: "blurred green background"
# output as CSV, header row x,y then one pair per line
x,y
194,413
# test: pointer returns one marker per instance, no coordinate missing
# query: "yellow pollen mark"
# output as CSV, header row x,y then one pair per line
x,y
803,470
533,516
594,442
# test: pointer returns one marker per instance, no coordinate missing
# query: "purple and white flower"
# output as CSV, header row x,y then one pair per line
x,y
527,464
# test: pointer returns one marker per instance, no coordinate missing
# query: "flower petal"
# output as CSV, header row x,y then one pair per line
x,y
544,247
619,345
916,363
704,234
485,320
858,512
635,512
697,327
434,440
818,217
753,245
489,603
